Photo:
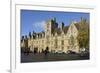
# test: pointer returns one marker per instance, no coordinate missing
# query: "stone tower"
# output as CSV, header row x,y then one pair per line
x,y
49,29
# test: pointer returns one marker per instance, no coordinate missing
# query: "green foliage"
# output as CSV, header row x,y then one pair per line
x,y
83,35
83,39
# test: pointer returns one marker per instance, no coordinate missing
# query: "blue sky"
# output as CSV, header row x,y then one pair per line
x,y
35,20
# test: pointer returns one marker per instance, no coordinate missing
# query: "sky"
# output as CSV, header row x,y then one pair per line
x,y
34,20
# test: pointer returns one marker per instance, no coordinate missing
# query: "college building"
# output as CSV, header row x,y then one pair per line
x,y
57,37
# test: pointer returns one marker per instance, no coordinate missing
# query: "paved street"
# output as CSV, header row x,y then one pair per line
x,y
50,57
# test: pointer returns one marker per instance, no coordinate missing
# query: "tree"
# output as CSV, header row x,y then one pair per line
x,y
83,39
83,35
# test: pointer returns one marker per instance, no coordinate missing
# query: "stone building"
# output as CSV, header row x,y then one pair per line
x,y
57,37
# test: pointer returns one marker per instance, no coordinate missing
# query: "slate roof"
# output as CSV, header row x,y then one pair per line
x,y
59,31
65,29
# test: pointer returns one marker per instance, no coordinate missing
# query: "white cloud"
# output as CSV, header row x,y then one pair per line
x,y
38,26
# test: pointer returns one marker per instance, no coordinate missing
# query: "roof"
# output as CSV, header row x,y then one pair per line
x,y
77,26
65,29
59,30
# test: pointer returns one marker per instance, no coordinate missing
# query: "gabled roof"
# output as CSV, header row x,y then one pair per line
x,y
77,26
59,31
65,29
56,30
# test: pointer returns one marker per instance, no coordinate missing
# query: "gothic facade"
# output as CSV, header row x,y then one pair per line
x,y
57,37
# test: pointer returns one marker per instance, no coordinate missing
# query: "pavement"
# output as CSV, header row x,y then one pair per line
x,y
41,57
